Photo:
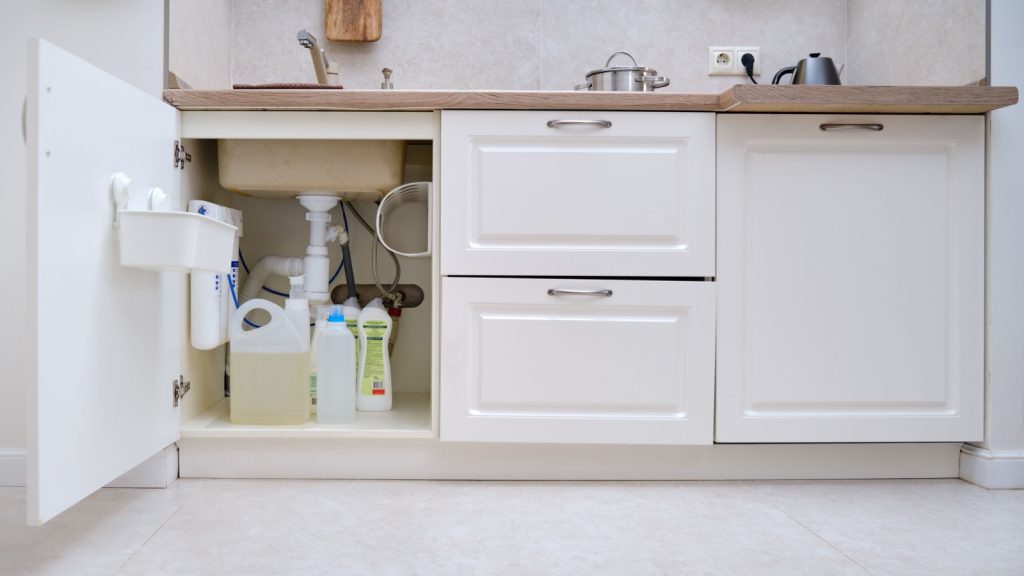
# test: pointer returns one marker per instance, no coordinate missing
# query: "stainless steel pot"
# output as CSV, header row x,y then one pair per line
x,y
633,78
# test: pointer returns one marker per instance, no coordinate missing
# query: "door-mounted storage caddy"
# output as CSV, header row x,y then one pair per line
x,y
554,226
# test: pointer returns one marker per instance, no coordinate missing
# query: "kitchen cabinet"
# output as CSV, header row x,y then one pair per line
x,y
837,292
105,343
851,278
538,197
573,193
108,345
577,361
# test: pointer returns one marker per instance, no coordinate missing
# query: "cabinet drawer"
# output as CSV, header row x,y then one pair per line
x,y
521,365
601,194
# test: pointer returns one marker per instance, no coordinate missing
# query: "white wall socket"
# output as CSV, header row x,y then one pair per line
x,y
725,60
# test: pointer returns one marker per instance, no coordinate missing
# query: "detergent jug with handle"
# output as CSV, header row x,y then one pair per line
x,y
269,368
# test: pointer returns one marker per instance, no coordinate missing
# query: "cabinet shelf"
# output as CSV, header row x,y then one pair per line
x,y
410,418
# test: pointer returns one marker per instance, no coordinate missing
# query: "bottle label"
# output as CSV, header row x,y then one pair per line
x,y
353,326
312,386
372,383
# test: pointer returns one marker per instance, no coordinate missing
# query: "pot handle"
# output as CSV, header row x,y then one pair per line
x,y
656,81
582,86
612,57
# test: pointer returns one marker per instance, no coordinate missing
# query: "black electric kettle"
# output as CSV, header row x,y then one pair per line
x,y
812,70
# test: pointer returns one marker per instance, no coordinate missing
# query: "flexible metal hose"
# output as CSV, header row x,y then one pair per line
x,y
389,292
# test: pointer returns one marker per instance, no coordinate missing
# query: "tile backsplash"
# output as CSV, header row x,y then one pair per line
x,y
535,44
916,42
550,45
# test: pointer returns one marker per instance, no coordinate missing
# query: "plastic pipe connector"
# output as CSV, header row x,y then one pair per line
x,y
268,266
317,274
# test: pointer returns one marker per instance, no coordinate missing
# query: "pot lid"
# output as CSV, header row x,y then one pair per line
x,y
634,68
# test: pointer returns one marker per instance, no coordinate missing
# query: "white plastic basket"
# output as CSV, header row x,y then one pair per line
x,y
414,192
174,241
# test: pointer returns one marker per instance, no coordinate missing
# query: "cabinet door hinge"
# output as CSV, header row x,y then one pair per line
x,y
180,388
180,155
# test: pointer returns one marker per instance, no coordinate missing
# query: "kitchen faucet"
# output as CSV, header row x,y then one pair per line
x,y
326,71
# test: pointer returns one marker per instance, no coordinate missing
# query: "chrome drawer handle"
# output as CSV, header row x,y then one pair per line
x,y
568,292
828,127
597,123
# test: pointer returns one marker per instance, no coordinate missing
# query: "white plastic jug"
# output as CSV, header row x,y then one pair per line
x,y
336,372
269,369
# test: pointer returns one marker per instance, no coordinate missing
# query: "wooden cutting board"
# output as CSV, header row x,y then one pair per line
x,y
353,20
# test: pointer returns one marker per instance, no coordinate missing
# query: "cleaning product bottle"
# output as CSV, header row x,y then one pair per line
x,y
269,368
336,375
297,307
322,312
374,361
350,308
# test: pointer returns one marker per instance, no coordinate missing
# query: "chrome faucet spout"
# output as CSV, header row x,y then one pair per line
x,y
320,64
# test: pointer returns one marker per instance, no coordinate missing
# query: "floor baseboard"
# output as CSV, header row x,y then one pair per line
x,y
12,467
160,471
995,469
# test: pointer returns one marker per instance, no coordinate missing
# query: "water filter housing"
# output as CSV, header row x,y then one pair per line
x,y
212,305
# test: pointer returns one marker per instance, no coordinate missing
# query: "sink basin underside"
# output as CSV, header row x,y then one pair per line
x,y
355,169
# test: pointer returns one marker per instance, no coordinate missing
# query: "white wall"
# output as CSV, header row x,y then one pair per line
x,y
1004,425
535,44
550,45
125,37
915,42
199,42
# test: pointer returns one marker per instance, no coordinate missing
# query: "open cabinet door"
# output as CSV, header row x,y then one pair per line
x,y
104,340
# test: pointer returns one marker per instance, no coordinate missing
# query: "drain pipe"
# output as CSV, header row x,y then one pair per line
x,y
316,267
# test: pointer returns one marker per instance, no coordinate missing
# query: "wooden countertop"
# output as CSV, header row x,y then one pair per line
x,y
739,98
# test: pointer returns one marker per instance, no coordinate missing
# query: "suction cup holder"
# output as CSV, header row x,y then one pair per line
x,y
151,237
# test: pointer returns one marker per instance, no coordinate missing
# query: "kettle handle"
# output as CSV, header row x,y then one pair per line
x,y
783,72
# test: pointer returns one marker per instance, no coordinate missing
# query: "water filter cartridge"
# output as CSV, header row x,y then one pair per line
x,y
205,314
211,303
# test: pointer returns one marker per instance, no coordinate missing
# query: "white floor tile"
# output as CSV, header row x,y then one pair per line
x,y
928,527
321,527
282,527
95,537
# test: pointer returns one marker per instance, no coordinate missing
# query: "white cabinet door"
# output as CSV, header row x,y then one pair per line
x,y
850,273
633,365
104,341
577,193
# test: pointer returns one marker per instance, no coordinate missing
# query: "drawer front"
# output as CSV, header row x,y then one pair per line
x,y
851,278
602,194
632,367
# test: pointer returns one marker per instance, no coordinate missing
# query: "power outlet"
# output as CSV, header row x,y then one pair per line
x,y
721,61
727,60
753,51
